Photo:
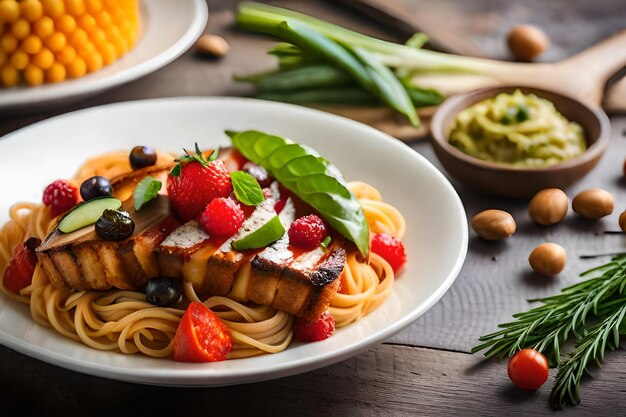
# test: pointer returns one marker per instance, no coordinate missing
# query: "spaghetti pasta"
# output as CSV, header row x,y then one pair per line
x,y
124,321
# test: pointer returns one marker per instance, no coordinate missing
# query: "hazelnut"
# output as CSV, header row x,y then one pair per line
x,y
493,224
594,203
622,221
548,259
527,42
548,206
212,45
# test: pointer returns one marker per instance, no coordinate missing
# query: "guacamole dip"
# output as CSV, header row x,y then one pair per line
x,y
517,129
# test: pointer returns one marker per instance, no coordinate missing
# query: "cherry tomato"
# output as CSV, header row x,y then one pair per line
x,y
19,272
201,336
528,369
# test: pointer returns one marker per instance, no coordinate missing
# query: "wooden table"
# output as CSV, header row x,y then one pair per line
x,y
424,370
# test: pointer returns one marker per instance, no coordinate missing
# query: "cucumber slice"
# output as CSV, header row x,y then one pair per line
x,y
268,233
87,213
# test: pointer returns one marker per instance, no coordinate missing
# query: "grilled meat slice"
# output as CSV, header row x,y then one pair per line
x,y
226,261
300,284
81,260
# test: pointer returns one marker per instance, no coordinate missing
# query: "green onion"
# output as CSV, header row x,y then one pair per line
x,y
313,76
264,18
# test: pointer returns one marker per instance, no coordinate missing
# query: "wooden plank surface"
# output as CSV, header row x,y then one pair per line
x,y
385,381
493,284
480,27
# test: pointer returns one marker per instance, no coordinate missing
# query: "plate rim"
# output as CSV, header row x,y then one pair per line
x,y
197,378
74,92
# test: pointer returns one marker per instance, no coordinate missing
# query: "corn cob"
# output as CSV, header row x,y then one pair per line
x,y
49,41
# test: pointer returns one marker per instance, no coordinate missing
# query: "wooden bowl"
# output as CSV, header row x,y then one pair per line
x,y
505,180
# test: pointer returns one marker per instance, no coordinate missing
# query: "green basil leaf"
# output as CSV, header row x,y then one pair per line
x,y
247,189
310,177
145,191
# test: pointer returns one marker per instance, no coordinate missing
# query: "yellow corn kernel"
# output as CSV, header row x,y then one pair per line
x,y
67,55
52,40
94,6
113,33
9,11
53,8
66,24
44,27
77,68
33,75
97,36
43,59
8,43
31,45
104,20
9,76
121,47
75,7
19,60
56,73
87,22
56,42
31,10
79,38
111,4
108,53
93,61
86,50
20,29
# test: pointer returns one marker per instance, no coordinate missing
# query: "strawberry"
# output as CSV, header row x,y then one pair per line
x,y
19,272
320,329
195,182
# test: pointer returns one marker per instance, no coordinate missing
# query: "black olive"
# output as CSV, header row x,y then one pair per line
x,y
142,156
95,187
32,243
163,291
259,173
115,225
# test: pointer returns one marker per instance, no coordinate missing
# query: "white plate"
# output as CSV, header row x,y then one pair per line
x,y
436,238
168,28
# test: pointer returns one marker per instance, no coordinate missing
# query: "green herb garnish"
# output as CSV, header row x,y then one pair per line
x,y
310,177
247,189
146,190
592,312
326,242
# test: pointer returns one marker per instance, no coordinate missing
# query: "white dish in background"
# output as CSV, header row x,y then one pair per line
x,y
436,238
168,28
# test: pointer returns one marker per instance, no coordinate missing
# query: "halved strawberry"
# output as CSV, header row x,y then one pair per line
x,y
195,182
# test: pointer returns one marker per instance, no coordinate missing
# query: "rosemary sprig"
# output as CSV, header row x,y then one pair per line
x,y
589,349
545,328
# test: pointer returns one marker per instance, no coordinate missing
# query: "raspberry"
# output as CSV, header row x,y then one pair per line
x,y
321,329
60,196
222,217
307,232
391,249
